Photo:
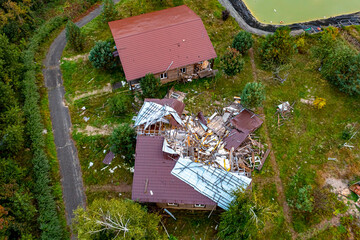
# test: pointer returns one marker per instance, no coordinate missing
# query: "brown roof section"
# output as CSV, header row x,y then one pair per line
x,y
173,103
235,139
246,121
154,167
157,41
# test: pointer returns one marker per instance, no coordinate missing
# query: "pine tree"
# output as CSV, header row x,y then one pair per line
x,y
74,36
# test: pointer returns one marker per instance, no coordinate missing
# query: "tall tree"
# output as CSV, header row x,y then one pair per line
x,y
74,36
123,141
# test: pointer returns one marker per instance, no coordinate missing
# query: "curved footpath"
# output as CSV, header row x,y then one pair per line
x,y
70,170
242,23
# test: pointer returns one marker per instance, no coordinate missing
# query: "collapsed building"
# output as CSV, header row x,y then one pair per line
x,y
194,161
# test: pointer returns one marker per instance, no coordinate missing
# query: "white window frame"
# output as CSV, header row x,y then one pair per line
x,y
173,204
199,205
183,70
163,75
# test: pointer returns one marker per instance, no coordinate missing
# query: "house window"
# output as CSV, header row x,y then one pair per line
x,y
173,204
163,75
199,205
183,70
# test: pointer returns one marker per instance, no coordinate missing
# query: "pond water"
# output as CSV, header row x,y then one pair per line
x,y
293,11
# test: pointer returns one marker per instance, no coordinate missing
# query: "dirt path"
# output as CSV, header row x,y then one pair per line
x,y
123,187
105,89
279,186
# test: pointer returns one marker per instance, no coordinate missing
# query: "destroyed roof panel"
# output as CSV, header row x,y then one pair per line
x,y
246,121
217,184
235,139
157,41
173,103
152,164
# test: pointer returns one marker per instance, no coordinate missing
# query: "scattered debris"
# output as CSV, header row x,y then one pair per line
x,y
309,101
91,164
284,111
108,158
86,119
168,212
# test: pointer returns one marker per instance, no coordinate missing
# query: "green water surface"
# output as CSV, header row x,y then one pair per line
x,y
294,11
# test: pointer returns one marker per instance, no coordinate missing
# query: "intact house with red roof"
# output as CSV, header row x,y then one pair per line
x,y
172,44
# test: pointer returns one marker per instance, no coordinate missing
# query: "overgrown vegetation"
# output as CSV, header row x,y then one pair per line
x,y
232,62
109,12
276,49
120,103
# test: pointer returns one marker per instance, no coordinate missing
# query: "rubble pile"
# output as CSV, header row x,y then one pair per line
x,y
223,140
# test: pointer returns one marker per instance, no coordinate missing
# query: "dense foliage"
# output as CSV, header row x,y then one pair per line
x,y
120,103
232,62
123,141
277,49
150,86
48,219
342,69
244,219
243,41
253,95
109,12
300,194
116,219
101,56
74,36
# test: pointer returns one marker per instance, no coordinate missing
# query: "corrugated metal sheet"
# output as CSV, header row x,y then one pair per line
x,y
246,121
173,103
235,139
154,167
215,183
150,43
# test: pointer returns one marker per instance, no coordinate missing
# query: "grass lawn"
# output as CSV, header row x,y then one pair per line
x,y
302,145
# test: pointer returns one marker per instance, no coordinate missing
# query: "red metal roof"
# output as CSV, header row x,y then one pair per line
x,y
154,167
235,139
246,121
157,41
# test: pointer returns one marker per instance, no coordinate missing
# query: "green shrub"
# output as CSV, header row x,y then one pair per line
x,y
342,69
277,49
150,86
243,41
123,141
109,12
253,95
120,104
74,36
101,56
232,62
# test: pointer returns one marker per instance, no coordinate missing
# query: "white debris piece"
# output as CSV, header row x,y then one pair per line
x,y
91,164
86,119
83,108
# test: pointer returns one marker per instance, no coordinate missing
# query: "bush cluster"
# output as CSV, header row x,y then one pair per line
x,y
232,62
123,141
48,219
253,95
150,86
120,104
243,41
109,12
277,49
101,56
